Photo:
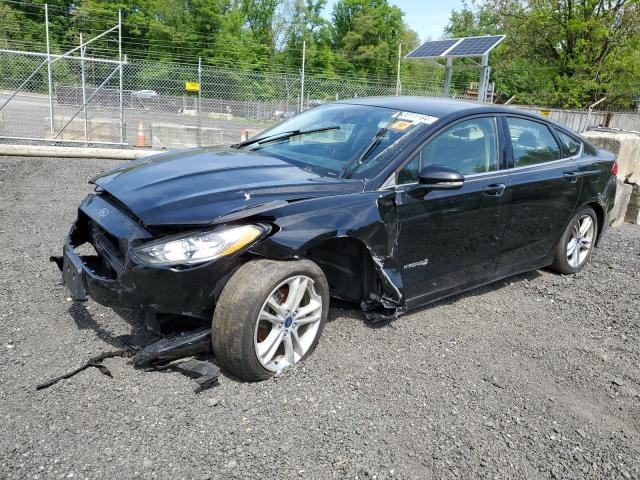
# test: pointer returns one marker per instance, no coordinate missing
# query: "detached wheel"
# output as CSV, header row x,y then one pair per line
x,y
577,242
269,316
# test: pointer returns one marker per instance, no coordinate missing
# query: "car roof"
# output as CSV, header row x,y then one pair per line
x,y
436,107
441,107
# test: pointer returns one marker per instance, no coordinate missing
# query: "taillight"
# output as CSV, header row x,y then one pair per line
x,y
614,168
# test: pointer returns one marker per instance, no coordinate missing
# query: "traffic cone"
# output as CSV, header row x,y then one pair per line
x,y
140,137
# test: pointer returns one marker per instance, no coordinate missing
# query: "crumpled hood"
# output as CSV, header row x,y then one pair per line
x,y
196,186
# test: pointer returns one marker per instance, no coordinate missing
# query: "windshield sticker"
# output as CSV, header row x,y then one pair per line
x,y
400,125
416,118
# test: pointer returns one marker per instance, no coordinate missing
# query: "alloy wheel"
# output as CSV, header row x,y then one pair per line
x,y
580,241
288,323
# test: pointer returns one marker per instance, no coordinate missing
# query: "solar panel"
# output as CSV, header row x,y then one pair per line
x,y
432,49
475,45
456,47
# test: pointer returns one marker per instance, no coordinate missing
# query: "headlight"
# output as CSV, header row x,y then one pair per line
x,y
198,248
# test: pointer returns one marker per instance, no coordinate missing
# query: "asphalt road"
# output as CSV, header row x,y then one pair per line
x,y
534,377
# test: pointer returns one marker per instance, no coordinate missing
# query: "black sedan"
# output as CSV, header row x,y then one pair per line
x,y
387,203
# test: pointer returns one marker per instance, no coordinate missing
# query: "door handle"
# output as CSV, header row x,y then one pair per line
x,y
571,176
495,190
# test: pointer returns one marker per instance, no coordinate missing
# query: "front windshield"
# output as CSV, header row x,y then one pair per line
x,y
354,140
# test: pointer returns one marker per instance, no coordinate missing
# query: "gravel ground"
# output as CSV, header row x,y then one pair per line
x,y
534,377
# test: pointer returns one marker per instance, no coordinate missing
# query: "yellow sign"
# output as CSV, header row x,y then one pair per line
x,y
192,86
400,125
545,113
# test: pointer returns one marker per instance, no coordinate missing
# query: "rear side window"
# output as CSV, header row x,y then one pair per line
x,y
590,150
532,142
570,144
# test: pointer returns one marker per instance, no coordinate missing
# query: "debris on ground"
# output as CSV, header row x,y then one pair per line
x,y
205,372
92,362
176,353
188,353
178,346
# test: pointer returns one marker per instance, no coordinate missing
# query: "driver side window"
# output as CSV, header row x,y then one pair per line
x,y
409,173
470,147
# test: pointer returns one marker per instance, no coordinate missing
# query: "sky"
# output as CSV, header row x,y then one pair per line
x,y
427,17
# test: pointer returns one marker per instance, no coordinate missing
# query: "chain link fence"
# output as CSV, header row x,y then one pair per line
x,y
232,104
158,111
83,111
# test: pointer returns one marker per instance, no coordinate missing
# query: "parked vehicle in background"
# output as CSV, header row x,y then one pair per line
x,y
283,114
144,94
388,203
315,103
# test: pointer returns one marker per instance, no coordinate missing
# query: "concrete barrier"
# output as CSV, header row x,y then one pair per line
x,y
625,145
209,115
170,136
621,204
627,148
100,129
250,133
633,210
72,152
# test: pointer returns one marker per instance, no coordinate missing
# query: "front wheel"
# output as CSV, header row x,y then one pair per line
x,y
269,316
577,242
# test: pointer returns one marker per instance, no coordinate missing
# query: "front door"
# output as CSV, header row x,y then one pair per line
x,y
451,238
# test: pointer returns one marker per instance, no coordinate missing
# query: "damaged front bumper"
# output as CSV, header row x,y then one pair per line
x,y
110,276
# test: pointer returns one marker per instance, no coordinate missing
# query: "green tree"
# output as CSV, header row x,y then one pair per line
x,y
306,24
259,15
558,52
367,33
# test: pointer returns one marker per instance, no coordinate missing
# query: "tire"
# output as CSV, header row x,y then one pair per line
x,y
262,287
562,262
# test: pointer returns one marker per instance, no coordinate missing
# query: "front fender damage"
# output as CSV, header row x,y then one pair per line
x,y
387,303
369,218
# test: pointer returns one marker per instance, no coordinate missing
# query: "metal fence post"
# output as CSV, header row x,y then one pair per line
x,y
447,78
398,86
484,79
589,112
49,73
199,101
84,90
287,93
120,68
304,54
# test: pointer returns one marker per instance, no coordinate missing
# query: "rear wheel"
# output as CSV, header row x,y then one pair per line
x,y
576,244
269,317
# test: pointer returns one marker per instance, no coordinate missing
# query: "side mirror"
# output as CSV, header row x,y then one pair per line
x,y
439,177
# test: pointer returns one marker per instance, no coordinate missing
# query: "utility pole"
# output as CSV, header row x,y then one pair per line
x,y
484,79
199,101
84,90
120,86
304,55
447,78
398,85
49,73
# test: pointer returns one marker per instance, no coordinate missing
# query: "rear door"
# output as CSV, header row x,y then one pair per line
x,y
449,238
545,188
